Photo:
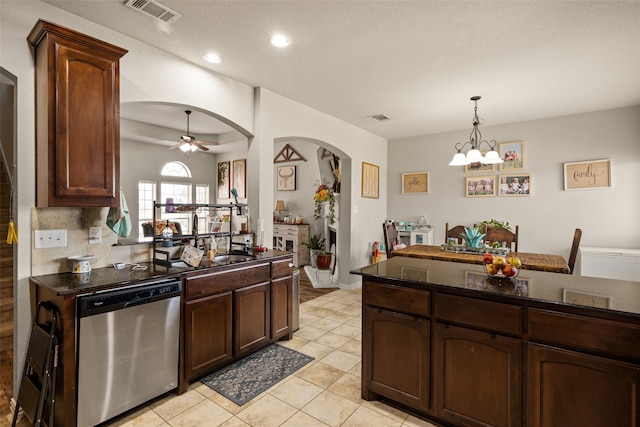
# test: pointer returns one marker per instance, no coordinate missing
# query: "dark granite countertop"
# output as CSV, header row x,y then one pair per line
x,y
606,294
109,277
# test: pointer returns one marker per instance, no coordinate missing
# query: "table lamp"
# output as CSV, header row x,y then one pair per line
x,y
279,207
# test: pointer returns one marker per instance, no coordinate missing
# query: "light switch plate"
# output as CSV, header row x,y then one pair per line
x,y
45,239
95,235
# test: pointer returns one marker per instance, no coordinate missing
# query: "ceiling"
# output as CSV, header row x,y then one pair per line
x,y
418,62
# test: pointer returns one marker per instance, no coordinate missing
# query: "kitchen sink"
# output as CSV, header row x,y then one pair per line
x,y
232,258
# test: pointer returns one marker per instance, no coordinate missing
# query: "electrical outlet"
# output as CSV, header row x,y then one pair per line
x,y
95,235
45,239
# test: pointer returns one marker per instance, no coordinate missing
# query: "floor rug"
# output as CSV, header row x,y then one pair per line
x,y
245,379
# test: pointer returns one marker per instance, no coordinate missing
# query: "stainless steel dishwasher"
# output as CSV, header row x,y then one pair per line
x,y
128,348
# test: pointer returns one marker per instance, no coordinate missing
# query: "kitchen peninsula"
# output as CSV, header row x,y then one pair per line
x,y
227,309
545,349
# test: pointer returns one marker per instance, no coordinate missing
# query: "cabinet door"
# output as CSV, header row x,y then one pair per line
x,y
572,389
478,377
207,334
251,318
395,340
281,307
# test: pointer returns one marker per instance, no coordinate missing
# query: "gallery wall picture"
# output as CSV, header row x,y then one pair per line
x,y
514,185
480,167
240,177
370,180
286,178
480,186
512,154
593,174
223,180
415,183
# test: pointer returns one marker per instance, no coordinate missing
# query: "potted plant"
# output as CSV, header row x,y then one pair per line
x,y
316,245
324,194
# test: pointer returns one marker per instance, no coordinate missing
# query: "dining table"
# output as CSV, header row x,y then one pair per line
x,y
530,261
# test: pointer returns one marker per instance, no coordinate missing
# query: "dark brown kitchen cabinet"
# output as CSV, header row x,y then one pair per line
x,y
208,333
570,388
251,312
281,299
77,118
478,377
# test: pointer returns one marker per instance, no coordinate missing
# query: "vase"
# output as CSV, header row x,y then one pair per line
x,y
313,254
323,261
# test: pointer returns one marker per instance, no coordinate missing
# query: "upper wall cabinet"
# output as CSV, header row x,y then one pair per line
x,y
77,118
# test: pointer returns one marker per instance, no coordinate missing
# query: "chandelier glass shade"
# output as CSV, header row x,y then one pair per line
x,y
474,155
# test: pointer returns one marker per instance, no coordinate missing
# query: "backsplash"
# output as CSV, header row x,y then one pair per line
x,y
77,222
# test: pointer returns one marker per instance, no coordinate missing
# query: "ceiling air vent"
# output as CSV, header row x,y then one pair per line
x,y
154,9
380,117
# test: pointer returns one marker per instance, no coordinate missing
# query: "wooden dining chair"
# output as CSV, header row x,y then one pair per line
x,y
390,236
577,235
455,232
499,234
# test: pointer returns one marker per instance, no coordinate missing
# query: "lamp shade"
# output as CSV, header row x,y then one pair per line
x,y
459,159
279,206
492,157
474,156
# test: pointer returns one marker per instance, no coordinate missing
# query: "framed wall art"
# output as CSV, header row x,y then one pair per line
x,y
286,178
240,177
585,298
587,175
512,154
223,180
480,186
370,180
415,183
514,185
479,167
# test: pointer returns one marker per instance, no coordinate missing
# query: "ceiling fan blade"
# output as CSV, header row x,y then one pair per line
x,y
207,142
179,144
200,146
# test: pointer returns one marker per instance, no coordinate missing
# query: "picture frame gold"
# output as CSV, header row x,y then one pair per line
x,y
516,185
480,186
480,167
415,183
224,169
512,155
240,177
286,178
370,181
587,175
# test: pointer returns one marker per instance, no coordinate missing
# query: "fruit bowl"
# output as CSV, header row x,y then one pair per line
x,y
501,267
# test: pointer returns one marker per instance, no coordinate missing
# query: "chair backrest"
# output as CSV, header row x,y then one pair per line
x,y
455,232
390,236
499,234
577,235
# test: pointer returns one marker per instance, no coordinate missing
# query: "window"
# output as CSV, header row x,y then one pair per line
x,y
146,196
176,169
202,198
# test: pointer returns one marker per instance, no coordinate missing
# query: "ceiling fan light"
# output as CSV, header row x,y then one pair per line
x,y
185,147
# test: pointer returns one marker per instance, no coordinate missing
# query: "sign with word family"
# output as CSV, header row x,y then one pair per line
x,y
415,183
586,175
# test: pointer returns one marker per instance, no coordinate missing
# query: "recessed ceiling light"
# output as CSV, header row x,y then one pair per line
x,y
280,40
212,58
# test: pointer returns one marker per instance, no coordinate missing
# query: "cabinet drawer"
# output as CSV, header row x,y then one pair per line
x,y
482,314
619,338
406,300
285,230
210,283
281,268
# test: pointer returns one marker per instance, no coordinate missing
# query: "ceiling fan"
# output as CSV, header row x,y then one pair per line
x,y
190,143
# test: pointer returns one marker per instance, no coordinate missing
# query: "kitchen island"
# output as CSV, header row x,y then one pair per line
x,y
452,345
228,309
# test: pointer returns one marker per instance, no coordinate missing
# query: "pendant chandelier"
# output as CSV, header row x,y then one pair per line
x,y
475,142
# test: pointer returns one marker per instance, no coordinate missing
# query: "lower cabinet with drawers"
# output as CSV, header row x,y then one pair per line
x,y
465,359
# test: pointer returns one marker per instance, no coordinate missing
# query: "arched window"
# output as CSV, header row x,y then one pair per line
x,y
176,169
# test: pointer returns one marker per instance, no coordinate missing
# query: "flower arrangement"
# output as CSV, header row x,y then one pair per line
x,y
324,194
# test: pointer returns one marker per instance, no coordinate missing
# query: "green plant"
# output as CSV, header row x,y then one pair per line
x,y
324,194
472,237
494,223
316,242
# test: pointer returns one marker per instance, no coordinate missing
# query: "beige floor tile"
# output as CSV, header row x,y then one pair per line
x,y
227,404
330,408
326,324
308,318
300,419
412,421
385,409
347,386
364,417
352,346
320,374
203,389
332,340
310,332
353,309
340,360
316,302
142,418
356,370
266,412
355,321
323,312
315,349
234,422
347,331
341,317
297,392
334,305
173,405
294,343
204,414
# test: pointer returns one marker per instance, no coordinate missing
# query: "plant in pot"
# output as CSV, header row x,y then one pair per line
x,y
316,245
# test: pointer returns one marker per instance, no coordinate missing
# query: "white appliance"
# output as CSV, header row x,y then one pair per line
x,y
610,263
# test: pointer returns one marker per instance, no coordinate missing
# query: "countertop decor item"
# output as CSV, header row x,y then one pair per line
x,y
81,263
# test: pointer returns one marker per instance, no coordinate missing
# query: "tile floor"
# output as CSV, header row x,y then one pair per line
x,y
326,392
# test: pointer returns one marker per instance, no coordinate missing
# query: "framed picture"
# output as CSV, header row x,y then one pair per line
x,y
240,177
286,178
514,185
480,186
512,154
587,175
223,180
585,298
415,183
479,167
370,180
417,274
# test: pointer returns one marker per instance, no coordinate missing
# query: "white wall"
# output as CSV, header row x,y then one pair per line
x,y
549,216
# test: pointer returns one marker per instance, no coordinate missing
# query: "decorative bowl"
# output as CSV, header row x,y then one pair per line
x,y
503,271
